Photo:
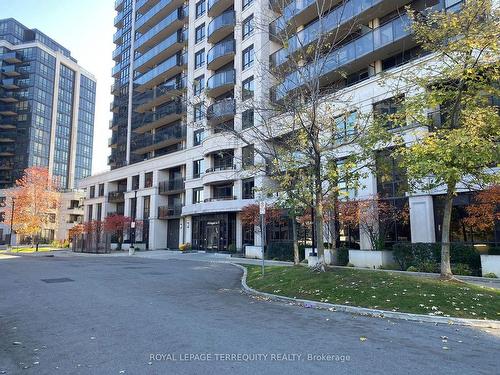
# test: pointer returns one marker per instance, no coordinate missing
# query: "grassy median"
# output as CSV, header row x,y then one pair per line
x,y
379,290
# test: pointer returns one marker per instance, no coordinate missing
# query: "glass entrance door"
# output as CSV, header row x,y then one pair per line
x,y
212,235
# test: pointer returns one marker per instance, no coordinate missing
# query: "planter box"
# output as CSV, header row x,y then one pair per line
x,y
254,252
332,257
371,258
490,264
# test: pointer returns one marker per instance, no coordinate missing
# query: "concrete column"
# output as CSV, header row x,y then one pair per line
x,y
74,131
53,124
239,232
422,219
157,234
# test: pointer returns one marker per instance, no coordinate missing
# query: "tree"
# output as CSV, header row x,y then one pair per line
x,y
116,225
456,144
36,201
307,124
484,212
76,230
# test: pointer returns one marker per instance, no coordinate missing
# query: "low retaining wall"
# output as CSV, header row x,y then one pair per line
x,y
490,264
371,258
253,252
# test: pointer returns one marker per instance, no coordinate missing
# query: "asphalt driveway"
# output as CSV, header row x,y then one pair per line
x,y
105,315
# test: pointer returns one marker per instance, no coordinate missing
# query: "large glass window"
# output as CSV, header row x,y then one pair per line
x,y
247,26
199,59
247,57
248,156
224,191
197,195
345,126
146,211
198,112
247,119
386,110
198,137
246,3
199,33
248,188
198,168
247,88
198,85
200,8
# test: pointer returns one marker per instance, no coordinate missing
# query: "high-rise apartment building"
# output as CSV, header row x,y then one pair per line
x,y
47,105
184,73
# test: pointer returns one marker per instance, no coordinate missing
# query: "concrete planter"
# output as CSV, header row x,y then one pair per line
x,y
312,260
371,258
131,250
332,257
126,246
253,252
490,264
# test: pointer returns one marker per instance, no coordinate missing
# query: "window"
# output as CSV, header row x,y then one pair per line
x,y
92,192
197,195
89,212
247,57
198,137
223,160
146,208
199,33
198,166
223,191
345,126
199,59
200,8
101,190
135,182
386,111
99,211
198,85
247,156
148,180
247,26
391,177
248,188
247,119
198,112
247,88
246,3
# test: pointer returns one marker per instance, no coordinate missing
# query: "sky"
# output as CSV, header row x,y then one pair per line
x,y
85,27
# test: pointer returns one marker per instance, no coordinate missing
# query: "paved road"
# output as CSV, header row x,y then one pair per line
x,y
119,311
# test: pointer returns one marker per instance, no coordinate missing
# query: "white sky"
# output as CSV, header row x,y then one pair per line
x,y
85,27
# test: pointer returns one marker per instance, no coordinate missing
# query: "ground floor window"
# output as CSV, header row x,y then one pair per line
x,y
214,232
248,235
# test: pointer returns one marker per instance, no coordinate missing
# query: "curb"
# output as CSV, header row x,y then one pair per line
x,y
364,311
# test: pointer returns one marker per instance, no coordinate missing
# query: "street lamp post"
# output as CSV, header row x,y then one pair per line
x,y
12,221
132,224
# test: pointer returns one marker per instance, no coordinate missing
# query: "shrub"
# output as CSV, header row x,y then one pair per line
x,y
60,244
231,248
461,269
412,269
283,251
490,275
403,255
343,256
428,266
184,246
494,251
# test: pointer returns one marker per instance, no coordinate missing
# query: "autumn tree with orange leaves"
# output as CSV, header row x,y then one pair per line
x,y
484,212
36,199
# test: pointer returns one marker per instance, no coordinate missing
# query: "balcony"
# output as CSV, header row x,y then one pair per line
x,y
7,150
116,196
11,84
10,71
8,122
221,82
160,31
8,109
7,137
219,199
118,36
144,101
142,6
173,186
385,39
118,21
11,57
338,22
169,212
223,173
156,14
6,165
115,88
220,54
163,115
163,138
9,96
221,26
221,111
119,4
167,69
216,7
172,44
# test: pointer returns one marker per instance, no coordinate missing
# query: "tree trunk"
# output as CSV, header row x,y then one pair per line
x,y
445,236
318,223
296,256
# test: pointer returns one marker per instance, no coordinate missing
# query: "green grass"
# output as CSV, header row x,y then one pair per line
x,y
32,249
379,290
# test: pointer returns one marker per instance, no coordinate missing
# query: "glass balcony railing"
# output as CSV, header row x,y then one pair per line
x,y
118,19
10,70
116,69
151,12
8,135
220,49
347,11
117,37
165,212
226,19
8,108
171,185
177,14
172,133
221,109
118,4
227,77
176,83
382,36
11,57
168,109
178,37
176,60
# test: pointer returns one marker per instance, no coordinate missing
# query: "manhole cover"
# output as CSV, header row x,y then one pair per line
x,y
59,280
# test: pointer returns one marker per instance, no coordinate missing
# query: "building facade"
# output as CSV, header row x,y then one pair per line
x,y
47,106
185,71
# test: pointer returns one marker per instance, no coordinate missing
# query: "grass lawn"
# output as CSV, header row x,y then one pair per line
x,y
32,249
379,290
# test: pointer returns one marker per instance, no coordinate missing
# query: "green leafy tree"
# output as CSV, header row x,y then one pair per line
x,y
456,99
